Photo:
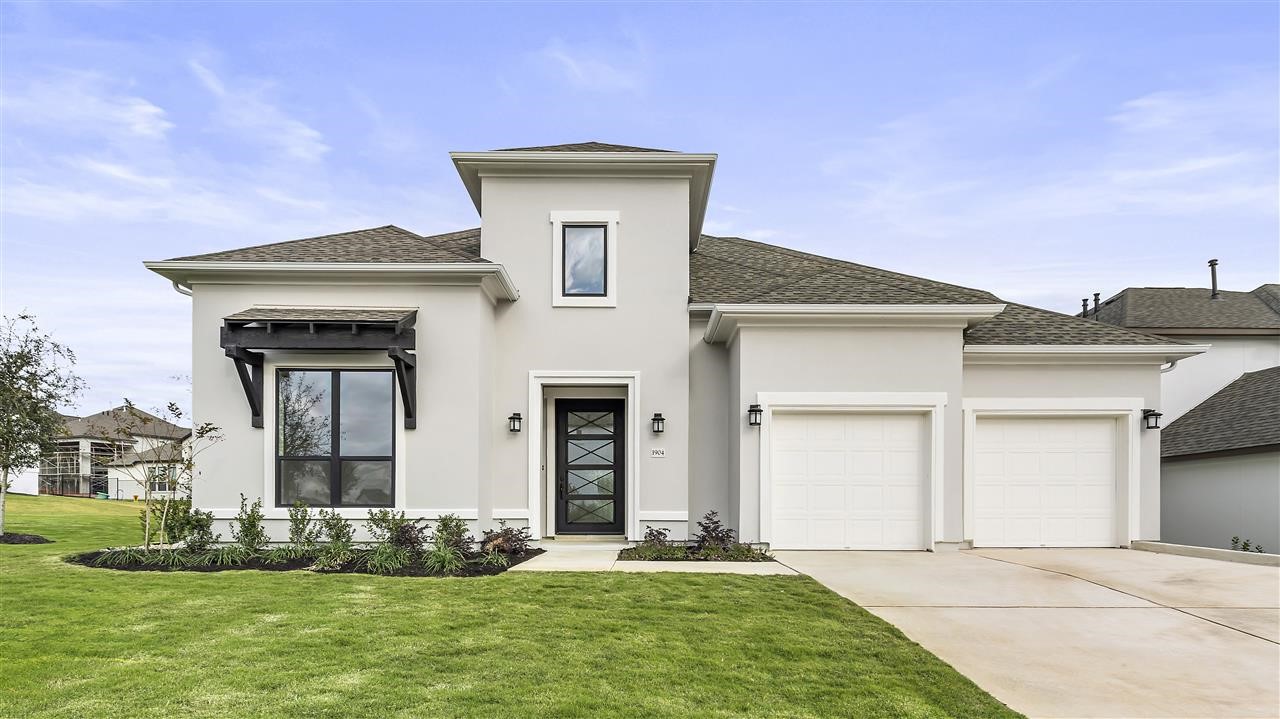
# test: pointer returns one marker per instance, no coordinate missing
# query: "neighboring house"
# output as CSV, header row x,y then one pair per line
x,y
1221,468
1220,476
1242,329
157,468
588,362
86,460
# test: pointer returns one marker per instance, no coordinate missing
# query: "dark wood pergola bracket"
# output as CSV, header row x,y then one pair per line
x,y
242,342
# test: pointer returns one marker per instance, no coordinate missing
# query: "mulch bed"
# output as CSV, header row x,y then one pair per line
x,y
470,570
11,538
689,555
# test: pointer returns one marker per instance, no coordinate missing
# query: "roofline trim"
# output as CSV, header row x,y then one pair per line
x,y
726,319
1019,354
492,277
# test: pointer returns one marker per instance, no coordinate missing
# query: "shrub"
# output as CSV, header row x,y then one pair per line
x,y
451,532
303,533
443,559
507,540
200,536
494,558
1245,546
395,529
177,525
286,554
712,534
120,557
338,549
231,555
655,552
386,558
170,558
247,530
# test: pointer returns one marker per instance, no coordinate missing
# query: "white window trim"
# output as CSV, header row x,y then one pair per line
x,y
538,380
608,218
298,360
1126,410
932,404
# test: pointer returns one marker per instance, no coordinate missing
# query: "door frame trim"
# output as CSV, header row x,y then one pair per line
x,y
931,404
1126,410
536,432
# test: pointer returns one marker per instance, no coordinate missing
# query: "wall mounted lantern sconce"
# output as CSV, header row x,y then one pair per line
x,y
513,422
1151,419
659,423
754,414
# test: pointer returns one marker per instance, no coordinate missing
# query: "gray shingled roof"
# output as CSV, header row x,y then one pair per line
x,y
1192,307
734,270
377,244
320,314
111,423
589,146
1243,415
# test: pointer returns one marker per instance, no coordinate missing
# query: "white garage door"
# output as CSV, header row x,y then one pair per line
x,y
848,481
1044,482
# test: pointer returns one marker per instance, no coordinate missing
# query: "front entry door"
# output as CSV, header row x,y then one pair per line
x,y
590,466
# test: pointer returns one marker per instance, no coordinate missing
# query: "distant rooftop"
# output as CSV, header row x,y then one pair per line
x,y
1166,308
1243,416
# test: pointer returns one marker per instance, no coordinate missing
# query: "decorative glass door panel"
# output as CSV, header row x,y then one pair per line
x,y
590,442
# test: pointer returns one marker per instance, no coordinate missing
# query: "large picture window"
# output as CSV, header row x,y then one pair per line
x,y
335,441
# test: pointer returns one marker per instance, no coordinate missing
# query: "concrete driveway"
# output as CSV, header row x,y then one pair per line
x,y
1081,632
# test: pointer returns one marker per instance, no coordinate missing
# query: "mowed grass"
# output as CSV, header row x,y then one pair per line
x,y
83,642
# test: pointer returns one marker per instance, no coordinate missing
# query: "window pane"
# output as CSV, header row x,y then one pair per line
x,y
305,480
304,411
584,261
367,483
365,414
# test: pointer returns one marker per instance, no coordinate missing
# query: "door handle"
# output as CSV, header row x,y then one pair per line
x,y
563,487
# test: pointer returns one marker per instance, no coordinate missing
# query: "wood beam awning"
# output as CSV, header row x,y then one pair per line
x,y
244,336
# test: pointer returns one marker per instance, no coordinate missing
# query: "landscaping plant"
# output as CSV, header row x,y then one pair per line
x,y
506,540
247,530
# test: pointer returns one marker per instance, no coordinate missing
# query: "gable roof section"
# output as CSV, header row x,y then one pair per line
x,y
732,270
1244,415
107,425
588,146
1193,308
168,453
389,244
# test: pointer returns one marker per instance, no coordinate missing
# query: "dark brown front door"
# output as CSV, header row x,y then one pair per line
x,y
590,466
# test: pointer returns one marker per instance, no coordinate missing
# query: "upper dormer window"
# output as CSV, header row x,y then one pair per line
x,y
584,247
586,257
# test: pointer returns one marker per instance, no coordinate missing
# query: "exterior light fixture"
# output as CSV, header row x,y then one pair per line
x,y
659,423
754,414
513,422
1151,419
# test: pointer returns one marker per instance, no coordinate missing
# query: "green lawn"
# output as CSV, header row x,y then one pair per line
x,y
82,642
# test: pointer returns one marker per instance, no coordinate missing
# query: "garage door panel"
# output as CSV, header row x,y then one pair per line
x,y
862,476
1044,482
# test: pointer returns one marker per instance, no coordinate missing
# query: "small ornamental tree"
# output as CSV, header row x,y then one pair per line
x,y
36,378
178,456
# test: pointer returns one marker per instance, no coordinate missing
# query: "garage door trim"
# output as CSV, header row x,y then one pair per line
x,y
1128,410
931,404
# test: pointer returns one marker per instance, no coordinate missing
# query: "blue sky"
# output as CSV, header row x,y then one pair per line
x,y
1041,151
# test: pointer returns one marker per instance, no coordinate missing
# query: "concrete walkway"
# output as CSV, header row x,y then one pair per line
x,y
1081,632
603,557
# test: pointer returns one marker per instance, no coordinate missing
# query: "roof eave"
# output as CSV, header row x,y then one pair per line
x,y
1088,354
725,320
492,277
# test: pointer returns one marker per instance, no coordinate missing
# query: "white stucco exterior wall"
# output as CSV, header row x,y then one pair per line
x,y
1205,502
711,416
646,333
1194,379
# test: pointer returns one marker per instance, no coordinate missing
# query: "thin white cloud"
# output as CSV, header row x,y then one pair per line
x,y
246,112
86,102
596,69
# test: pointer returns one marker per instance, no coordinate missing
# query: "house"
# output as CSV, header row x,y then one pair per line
x,y
587,361
1221,467
1220,473
96,454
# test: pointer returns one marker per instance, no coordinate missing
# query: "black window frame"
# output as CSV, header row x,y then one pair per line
x,y
564,259
335,457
